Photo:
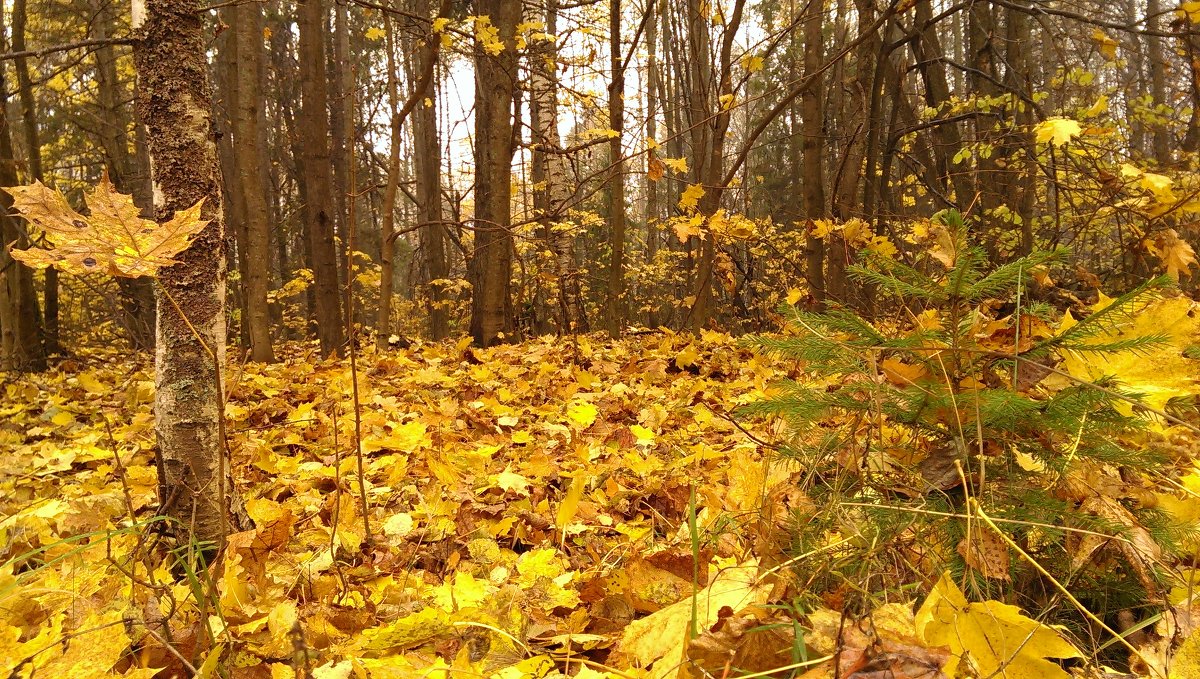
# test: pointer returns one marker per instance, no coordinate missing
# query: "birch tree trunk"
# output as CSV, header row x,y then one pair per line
x,y
174,102
552,170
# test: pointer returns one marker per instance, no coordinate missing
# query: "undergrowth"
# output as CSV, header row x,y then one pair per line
x,y
909,435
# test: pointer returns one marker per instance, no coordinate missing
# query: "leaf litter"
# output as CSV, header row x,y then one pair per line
x,y
543,509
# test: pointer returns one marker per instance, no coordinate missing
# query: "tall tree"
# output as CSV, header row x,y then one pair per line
x,y
709,109
315,166
553,191
491,258
812,172
137,294
248,154
653,207
615,303
21,344
33,163
427,161
174,102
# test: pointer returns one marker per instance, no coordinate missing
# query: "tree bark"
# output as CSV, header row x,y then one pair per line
x,y
33,162
812,180
709,118
314,114
250,189
21,344
174,102
387,244
614,317
137,294
427,159
1160,135
653,209
553,174
491,259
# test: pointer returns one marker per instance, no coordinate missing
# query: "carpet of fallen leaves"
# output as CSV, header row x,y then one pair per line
x,y
526,504
550,508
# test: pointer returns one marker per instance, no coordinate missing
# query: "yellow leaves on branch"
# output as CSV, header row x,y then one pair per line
x,y
487,35
114,239
995,637
1057,131
1190,10
753,63
1106,45
856,232
1175,253
690,198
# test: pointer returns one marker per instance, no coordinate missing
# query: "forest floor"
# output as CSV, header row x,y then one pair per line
x,y
556,506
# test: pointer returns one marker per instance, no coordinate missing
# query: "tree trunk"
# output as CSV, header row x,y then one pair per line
x,y
427,159
614,317
653,209
491,260
1161,136
709,106
930,58
174,102
812,180
314,114
33,161
553,175
21,343
387,244
250,191
137,294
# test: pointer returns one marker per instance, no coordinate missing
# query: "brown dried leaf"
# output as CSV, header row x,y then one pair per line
x,y
744,641
986,553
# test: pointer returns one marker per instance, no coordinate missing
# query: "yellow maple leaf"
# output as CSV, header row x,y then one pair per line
x,y
1057,131
114,239
570,504
691,197
644,436
1098,108
661,638
1107,46
374,34
752,62
1158,184
1176,254
677,164
582,414
1190,10
997,636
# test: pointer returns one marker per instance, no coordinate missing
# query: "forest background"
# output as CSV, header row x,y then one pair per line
x,y
315,185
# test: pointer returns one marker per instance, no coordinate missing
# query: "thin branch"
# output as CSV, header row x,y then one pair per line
x,y
46,51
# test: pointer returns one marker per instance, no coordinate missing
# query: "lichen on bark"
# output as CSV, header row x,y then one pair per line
x,y
174,102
